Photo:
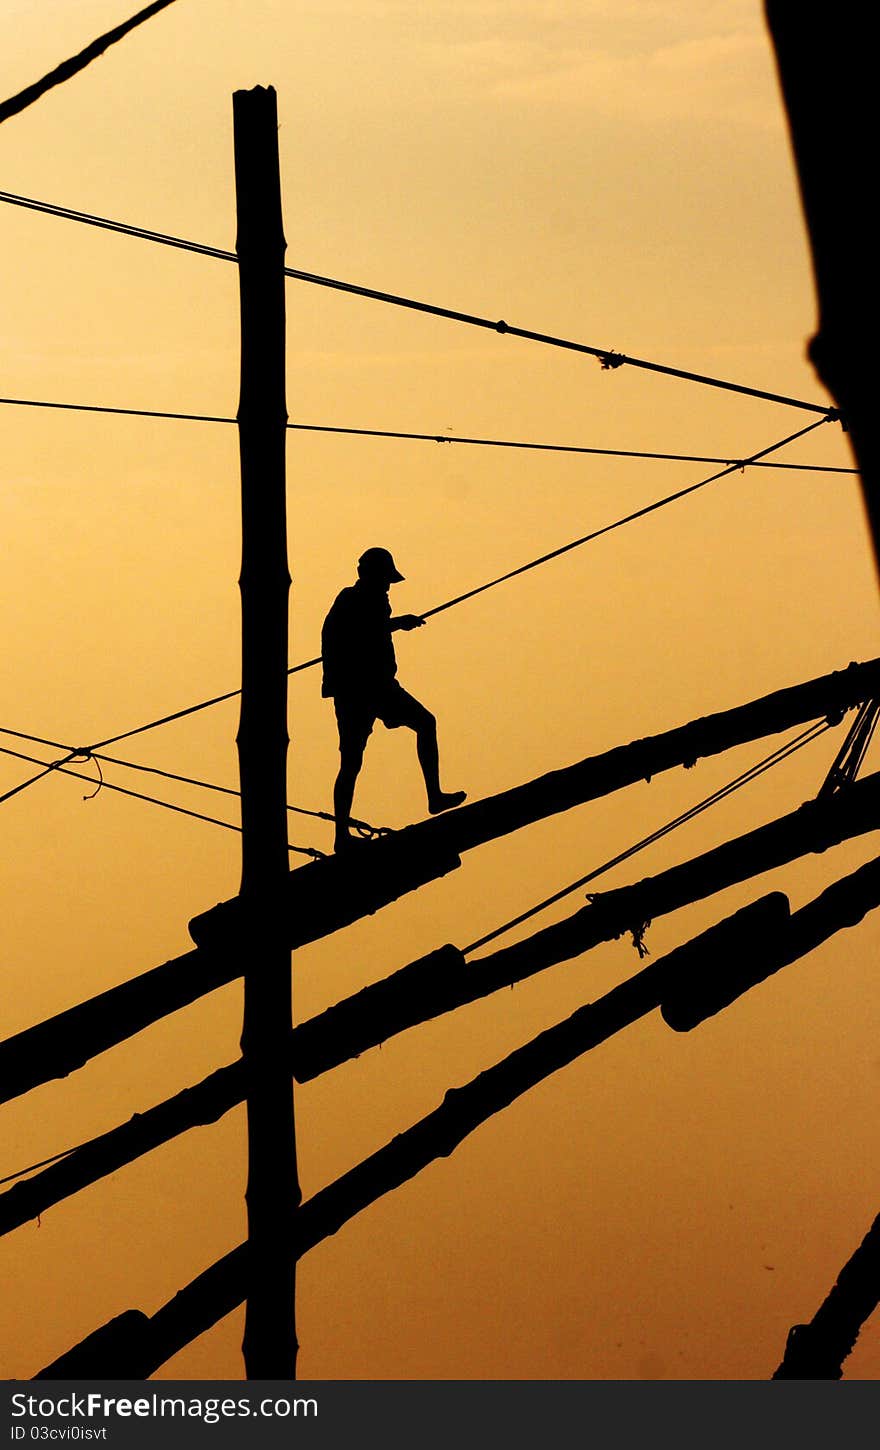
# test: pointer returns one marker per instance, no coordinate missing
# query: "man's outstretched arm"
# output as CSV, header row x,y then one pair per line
x,y
407,621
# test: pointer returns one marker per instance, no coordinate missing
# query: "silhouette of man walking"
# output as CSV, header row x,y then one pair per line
x,y
359,673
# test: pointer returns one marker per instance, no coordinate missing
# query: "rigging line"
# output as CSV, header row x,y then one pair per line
x,y
177,715
105,224
433,437
137,795
32,780
562,448
124,412
781,753
619,523
469,594
608,358
171,775
76,63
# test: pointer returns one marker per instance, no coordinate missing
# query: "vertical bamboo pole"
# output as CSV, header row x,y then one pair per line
x,y
272,1190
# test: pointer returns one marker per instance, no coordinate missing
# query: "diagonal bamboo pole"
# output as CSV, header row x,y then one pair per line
x,y
816,1351
843,904
327,895
76,63
829,696
143,1344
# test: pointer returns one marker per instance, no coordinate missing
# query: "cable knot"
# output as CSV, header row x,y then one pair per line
x,y
611,360
638,937
89,755
501,326
368,832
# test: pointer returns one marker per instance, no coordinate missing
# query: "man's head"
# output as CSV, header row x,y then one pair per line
x,y
376,566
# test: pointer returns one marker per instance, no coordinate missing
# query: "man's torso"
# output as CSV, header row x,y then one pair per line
x,y
356,645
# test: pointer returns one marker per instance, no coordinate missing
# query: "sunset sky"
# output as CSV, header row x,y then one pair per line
x,y
668,1206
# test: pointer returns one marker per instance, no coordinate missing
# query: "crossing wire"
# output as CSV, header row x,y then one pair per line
x,y
469,594
101,745
63,768
363,827
608,359
812,732
432,437
32,780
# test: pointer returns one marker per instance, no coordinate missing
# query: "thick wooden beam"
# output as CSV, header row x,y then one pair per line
x,y
443,980
829,696
63,1043
706,975
220,1288
325,896
827,69
816,1351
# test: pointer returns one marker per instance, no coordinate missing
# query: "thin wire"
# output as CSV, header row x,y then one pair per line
x,y
137,795
562,448
619,523
125,412
523,568
105,223
179,714
32,780
781,753
608,359
182,779
435,437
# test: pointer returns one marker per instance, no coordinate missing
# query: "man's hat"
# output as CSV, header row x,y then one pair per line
x,y
379,561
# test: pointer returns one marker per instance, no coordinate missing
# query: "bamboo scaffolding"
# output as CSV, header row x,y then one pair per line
x,y
829,696
327,895
144,1344
270,1344
65,1042
442,981
771,946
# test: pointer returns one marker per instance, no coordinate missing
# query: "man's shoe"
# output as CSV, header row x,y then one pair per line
x,y
446,800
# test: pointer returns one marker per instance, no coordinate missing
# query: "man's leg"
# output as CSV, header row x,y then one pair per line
x,y
410,712
353,735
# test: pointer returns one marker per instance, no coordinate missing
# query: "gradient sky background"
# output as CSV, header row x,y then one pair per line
x,y
669,1205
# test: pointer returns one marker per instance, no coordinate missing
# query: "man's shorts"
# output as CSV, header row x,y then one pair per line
x,y
357,714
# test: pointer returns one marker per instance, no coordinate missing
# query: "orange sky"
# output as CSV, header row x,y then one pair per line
x,y
668,1206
